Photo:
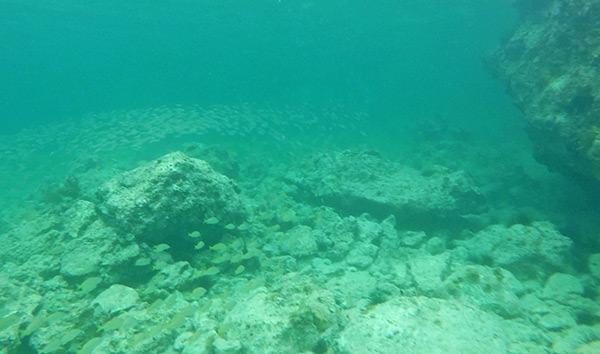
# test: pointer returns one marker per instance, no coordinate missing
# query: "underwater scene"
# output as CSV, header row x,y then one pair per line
x,y
300,176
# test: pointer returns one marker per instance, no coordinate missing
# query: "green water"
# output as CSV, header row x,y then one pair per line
x,y
264,91
407,59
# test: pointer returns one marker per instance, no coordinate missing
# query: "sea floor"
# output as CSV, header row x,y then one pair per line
x,y
286,230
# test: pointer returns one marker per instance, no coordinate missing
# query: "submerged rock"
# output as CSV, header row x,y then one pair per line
x,y
300,242
174,193
524,250
294,317
115,299
359,182
97,248
422,325
594,265
492,290
550,66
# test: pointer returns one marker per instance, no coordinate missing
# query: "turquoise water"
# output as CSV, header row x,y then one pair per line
x,y
406,59
279,177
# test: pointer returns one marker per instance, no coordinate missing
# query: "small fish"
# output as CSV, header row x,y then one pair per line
x,y
251,253
179,319
155,305
239,270
221,258
112,324
160,248
194,234
212,271
160,265
55,317
230,226
89,284
56,250
208,272
223,328
211,221
218,247
90,346
288,216
198,292
70,335
37,322
143,262
199,245
9,320
236,258
266,216
52,347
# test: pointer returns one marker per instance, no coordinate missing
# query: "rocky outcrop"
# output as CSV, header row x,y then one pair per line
x,y
358,182
551,65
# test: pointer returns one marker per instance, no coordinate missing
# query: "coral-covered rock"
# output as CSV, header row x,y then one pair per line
x,y
173,194
551,66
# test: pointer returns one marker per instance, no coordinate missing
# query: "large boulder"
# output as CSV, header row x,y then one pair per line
x,y
173,194
424,325
551,65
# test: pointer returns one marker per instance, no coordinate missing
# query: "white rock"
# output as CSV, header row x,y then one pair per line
x,y
427,271
299,242
115,299
560,285
522,249
557,319
420,325
222,346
